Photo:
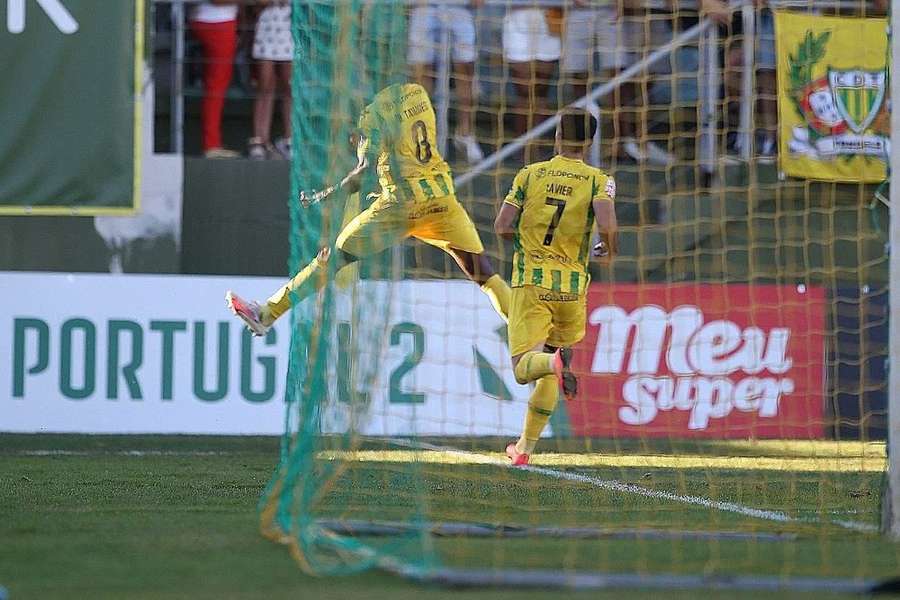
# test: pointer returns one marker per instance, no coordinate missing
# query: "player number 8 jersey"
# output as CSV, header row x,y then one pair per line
x,y
401,132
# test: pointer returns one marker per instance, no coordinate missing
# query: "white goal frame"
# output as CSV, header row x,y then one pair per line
x,y
891,502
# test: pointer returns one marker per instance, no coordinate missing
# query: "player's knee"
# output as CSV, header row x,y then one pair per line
x,y
345,257
476,266
484,266
520,377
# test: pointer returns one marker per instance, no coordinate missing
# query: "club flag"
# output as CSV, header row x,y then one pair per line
x,y
833,97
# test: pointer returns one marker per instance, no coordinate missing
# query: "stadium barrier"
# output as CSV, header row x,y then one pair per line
x,y
102,354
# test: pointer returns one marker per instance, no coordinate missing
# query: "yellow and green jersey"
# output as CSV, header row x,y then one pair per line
x,y
401,135
553,235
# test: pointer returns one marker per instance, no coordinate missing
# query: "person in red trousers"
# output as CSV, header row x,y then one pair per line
x,y
214,24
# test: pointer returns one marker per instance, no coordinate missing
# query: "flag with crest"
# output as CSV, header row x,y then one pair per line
x,y
833,97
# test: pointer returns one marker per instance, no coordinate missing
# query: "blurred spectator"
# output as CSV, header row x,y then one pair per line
x,y
619,33
531,47
273,51
639,30
426,23
765,147
214,24
584,33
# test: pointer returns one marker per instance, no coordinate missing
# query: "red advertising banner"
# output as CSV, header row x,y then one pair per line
x,y
693,360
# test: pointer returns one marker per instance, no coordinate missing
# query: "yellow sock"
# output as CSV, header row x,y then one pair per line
x,y
540,407
533,365
499,293
309,280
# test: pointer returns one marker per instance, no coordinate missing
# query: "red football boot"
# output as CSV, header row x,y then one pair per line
x,y
248,312
518,459
567,380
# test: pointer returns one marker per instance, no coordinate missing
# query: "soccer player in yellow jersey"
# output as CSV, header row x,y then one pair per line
x,y
550,213
396,137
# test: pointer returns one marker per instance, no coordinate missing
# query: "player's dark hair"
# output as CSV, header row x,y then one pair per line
x,y
577,126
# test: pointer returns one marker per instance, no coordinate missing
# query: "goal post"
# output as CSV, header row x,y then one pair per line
x,y
891,508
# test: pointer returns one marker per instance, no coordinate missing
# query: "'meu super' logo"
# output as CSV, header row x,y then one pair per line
x,y
685,360
695,369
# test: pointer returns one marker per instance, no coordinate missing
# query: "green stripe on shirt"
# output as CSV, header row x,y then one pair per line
x,y
439,179
556,280
429,193
574,281
537,276
407,189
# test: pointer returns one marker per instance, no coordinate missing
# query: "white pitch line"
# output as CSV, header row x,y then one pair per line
x,y
119,453
631,488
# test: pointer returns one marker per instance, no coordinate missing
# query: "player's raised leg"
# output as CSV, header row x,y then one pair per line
x,y
453,231
380,226
532,324
547,366
537,364
309,280
260,317
354,238
540,407
477,267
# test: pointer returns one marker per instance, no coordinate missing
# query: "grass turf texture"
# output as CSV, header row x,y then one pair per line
x,y
172,517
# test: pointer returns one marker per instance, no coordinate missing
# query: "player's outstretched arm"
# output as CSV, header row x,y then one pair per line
x,y
608,226
505,223
350,184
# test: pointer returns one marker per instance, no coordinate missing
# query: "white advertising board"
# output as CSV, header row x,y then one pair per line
x,y
161,354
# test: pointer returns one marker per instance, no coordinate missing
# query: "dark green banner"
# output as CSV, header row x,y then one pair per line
x,y
70,73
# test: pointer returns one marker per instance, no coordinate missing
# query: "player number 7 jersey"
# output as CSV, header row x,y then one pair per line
x,y
553,235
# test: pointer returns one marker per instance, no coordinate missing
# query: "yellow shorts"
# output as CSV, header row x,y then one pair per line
x,y
440,221
538,316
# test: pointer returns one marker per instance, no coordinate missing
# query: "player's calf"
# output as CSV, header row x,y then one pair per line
x,y
533,365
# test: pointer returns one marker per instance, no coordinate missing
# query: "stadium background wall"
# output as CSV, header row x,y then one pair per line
x,y
242,204
225,204
222,205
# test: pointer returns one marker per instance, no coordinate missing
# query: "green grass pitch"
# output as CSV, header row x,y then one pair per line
x,y
175,517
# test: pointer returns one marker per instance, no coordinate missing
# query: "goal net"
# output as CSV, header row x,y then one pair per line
x,y
732,413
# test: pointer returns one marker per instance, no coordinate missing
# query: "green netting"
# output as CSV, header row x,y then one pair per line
x,y
346,51
359,485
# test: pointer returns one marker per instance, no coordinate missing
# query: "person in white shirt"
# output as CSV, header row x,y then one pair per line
x,y
273,51
619,33
426,22
531,47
